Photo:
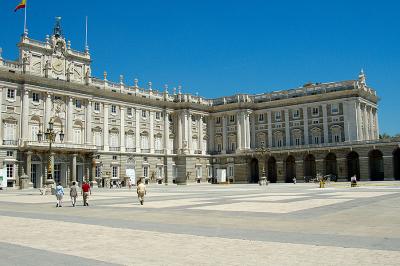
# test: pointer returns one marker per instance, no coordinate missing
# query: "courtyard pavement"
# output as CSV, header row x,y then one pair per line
x,y
203,224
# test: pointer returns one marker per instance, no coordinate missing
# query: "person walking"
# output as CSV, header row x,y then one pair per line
x,y
85,192
141,191
59,194
73,192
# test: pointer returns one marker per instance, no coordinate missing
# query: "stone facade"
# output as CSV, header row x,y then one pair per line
x,y
114,129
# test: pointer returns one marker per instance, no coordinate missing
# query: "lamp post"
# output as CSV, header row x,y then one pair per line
x,y
262,151
50,136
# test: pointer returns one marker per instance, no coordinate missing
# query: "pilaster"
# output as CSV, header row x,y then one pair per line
x,y
305,117
105,127
287,127
269,117
137,130
25,114
89,122
224,134
70,119
151,137
325,123
122,129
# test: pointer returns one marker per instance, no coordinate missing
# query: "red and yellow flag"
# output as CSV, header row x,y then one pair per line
x,y
21,5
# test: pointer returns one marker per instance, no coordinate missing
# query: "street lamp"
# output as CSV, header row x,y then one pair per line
x,y
262,151
50,136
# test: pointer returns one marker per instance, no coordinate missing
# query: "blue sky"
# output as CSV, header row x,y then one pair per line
x,y
219,48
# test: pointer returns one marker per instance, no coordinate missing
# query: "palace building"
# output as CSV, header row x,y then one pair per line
x,y
106,131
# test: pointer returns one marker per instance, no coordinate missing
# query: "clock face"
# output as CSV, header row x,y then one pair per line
x,y
58,65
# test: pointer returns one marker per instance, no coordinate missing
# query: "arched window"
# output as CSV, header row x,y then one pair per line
x,y
114,138
78,132
144,140
158,142
34,128
336,132
130,140
97,136
316,135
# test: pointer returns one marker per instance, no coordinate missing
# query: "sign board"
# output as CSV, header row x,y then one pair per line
x,y
132,175
221,175
3,178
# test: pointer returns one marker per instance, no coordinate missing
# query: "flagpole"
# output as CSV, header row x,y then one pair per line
x,y
26,6
86,34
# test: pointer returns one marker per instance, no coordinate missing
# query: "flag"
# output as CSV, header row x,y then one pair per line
x,y
21,5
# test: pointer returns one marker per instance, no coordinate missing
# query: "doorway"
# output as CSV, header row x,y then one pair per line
x,y
254,173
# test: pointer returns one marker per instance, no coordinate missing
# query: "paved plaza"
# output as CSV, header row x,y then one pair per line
x,y
281,224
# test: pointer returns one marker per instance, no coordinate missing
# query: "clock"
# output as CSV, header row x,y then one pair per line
x,y
58,65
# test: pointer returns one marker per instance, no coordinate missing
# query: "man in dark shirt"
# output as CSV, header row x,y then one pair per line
x,y
85,191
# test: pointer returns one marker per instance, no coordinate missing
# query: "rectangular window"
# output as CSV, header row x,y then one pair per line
x,y
232,118
278,126
145,171
315,122
144,114
277,116
57,98
279,143
114,157
218,120
261,117
97,106
219,147
113,109
296,113
336,138
34,132
335,119
11,94
158,115
129,111
316,140
334,108
296,124
78,103
115,171
10,171
98,171
315,111
297,141
35,97
10,153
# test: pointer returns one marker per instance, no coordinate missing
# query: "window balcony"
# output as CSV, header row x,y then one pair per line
x,y
145,150
197,152
115,148
100,147
10,142
159,151
130,149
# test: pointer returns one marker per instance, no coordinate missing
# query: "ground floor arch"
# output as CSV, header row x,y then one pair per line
x,y
254,171
331,164
376,167
272,170
396,164
353,165
310,170
290,169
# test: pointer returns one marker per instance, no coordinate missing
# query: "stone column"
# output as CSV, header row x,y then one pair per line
x,y
253,131
371,124
29,166
137,129
287,127
238,132
1,109
73,170
70,119
50,181
211,133
190,133
247,128
166,133
151,137
89,123
25,115
305,117
376,123
200,142
360,135
325,123
366,123
224,134
269,117
48,110
94,181
179,117
105,127
346,124
122,129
